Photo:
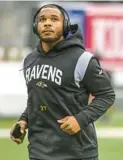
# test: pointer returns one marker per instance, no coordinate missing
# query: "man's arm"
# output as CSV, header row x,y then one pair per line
x,y
98,83
24,115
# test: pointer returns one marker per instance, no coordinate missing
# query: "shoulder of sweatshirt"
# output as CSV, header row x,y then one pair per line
x,y
30,59
95,68
96,79
31,55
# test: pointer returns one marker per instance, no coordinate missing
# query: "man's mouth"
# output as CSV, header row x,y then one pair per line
x,y
47,31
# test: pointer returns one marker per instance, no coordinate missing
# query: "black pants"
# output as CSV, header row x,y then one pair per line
x,y
94,158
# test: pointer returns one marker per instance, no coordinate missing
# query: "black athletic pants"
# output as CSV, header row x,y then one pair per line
x,y
94,158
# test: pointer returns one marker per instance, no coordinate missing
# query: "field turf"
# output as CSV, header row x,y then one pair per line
x,y
109,149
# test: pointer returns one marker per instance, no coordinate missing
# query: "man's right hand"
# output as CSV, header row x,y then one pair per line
x,y
23,126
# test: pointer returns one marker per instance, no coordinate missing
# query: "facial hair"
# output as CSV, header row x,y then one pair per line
x,y
51,40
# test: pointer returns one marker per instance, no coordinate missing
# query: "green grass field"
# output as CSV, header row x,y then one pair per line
x,y
109,149
112,118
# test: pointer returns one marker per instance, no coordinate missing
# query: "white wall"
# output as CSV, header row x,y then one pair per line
x,y
13,94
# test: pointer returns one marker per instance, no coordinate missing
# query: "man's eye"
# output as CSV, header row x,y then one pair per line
x,y
41,19
54,19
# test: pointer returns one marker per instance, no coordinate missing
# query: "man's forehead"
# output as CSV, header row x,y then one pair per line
x,y
54,11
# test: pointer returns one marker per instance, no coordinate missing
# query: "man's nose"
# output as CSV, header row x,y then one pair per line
x,y
48,23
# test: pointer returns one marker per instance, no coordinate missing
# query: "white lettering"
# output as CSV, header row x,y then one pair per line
x,y
44,72
107,37
32,73
51,74
39,71
27,75
58,77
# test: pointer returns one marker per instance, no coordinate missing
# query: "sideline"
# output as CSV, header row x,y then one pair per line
x,y
101,133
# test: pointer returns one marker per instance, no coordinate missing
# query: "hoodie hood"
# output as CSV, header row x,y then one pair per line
x,y
75,38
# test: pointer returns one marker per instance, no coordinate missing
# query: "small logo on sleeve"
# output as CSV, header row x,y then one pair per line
x,y
101,71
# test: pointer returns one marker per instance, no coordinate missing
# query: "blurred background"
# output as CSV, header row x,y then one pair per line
x,y
101,23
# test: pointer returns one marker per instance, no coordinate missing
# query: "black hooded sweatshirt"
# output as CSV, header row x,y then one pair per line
x,y
59,84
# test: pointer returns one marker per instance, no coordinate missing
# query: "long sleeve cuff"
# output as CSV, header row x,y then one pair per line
x,y
82,119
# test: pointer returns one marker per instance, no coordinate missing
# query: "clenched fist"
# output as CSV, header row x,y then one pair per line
x,y
69,125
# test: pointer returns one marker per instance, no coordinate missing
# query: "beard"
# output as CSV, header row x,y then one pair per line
x,y
51,39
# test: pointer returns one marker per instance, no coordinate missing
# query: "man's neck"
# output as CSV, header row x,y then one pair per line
x,y
47,46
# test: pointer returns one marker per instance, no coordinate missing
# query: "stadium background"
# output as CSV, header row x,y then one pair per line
x,y
102,28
